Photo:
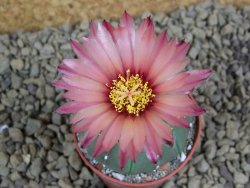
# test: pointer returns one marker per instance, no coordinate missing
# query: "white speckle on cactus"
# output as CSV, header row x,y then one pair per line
x,y
189,147
118,176
190,124
105,157
183,156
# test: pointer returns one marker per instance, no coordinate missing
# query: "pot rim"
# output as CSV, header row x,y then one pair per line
x,y
151,183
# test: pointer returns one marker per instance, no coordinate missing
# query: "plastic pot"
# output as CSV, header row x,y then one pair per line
x,y
115,183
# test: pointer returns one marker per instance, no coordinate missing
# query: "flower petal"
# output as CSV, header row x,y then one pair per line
x,y
105,41
131,152
71,107
170,70
144,43
139,139
172,120
85,96
159,44
62,85
125,40
163,59
153,139
84,83
127,133
123,158
102,122
99,144
88,70
178,105
160,127
87,139
89,112
184,82
113,133
150,153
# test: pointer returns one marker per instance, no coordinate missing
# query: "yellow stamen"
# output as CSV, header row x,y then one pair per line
x,y
130,94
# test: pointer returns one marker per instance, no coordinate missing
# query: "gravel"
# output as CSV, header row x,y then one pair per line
x,y
36,148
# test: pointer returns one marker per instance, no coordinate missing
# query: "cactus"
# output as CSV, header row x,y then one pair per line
x,y
143,164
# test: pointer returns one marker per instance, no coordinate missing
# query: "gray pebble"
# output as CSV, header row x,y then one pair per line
x,y
212,19
4,64
75,161
16,81
15,160
85,174
34,71
224,149
32,126
36,167
241,178
202,166
17,64
65,183
48,49
193,52
15,176
225,173
194,182
227,29
199,33
4,158
25,51
16,134
4,171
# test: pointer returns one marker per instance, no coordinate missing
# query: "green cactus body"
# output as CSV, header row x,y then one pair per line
x,y
143,164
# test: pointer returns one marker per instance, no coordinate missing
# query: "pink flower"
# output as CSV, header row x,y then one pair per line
x,y
128,87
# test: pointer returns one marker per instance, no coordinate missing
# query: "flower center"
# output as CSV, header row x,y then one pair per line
x,y
130,94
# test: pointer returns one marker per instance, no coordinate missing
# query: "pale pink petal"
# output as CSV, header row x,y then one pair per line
x,y
89,112
159,126
144,43
87,139
99,56
131,151
153,139
99,144
102,122
182,48
85,83
184,82
105,41
179,100
157,48
172,120
123,158
178,105
79,51
113,133
163,59
150,153
109,28
170,70
125,40
72,107
181,111
83,125
85,96
62,85
139,139
88,70
127,133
